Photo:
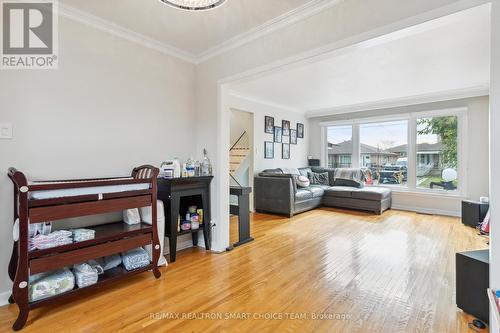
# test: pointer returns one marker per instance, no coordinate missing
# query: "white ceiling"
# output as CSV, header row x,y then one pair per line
x,y
191,32
447,55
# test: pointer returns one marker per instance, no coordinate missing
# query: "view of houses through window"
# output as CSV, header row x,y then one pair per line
x,y
384,149
340,146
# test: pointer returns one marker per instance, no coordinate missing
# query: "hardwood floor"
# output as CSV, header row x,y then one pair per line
x,y
368,273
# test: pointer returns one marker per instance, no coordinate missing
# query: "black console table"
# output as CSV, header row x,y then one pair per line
x,y
177,194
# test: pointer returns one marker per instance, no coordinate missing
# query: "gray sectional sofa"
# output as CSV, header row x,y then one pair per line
x,y
276,191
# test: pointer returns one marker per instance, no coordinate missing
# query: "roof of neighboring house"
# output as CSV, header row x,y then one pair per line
x,y
346,148
421,148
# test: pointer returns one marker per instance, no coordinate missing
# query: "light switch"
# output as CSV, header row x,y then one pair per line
x,y
5,130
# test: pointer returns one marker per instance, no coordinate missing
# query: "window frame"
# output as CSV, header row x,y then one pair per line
x,y
411,186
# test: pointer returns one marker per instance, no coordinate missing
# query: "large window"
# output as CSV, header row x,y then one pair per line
x,y
419,151
437,153
384,150
340,146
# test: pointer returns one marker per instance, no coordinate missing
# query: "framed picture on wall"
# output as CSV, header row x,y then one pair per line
x,y
285,139
268,149
300,130
269,125
277,134
286,127
293,137
285,153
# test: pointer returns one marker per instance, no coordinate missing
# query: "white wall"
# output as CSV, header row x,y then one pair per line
x,y
241,121
495,156
476,150
110,106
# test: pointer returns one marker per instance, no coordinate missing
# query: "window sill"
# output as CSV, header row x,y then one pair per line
x,y
422,192
437,194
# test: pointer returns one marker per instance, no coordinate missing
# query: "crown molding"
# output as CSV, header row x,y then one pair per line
x,y
122,32
476,91
309,9
302,12
255,100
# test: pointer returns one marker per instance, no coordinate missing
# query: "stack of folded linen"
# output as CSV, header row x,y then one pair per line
x,y
80,235
56,238
135,258
49,284
85,275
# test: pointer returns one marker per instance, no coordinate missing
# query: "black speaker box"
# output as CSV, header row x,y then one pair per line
x,y
473,212
472,280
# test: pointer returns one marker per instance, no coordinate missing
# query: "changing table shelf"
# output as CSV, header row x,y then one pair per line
x,y
107,277
103,233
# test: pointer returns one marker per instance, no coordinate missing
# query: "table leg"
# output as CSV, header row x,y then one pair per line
x,y
206,219
243,220
174,215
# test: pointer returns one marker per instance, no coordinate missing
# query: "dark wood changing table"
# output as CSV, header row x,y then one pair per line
x,y
172,191
109,238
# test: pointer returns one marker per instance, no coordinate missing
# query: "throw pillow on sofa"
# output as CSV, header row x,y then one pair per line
x,y
302,181
319,178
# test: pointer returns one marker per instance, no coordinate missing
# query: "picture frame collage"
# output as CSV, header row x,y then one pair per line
x,y
284,135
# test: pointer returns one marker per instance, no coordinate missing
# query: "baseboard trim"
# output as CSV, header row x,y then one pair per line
x,y
430,211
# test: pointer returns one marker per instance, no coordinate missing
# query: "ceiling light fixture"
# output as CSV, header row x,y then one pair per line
x,y
194,5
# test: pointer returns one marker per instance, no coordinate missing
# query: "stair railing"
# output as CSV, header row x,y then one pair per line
x,y
238,141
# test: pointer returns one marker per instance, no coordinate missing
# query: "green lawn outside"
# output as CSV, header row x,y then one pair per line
x,y
427,182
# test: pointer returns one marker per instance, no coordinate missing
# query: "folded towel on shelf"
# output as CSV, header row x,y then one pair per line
x,y
109,262
80,235
47,284
56,238
135,258
85,275
34,229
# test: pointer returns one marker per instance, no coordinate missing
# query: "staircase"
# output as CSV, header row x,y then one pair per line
x,y
236,157
238,153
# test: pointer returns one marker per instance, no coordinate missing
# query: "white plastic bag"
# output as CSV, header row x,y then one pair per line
x,y
131,216
85,275
146,217
47,284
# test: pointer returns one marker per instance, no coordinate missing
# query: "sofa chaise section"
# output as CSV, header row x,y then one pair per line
x,y
276,191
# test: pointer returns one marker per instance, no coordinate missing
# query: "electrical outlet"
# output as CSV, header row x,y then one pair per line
x,y
5,130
